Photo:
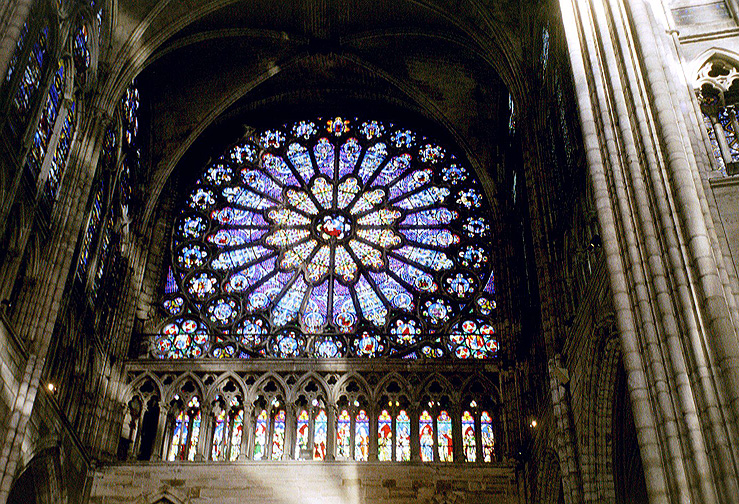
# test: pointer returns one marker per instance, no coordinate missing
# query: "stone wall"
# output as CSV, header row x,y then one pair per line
x,y
304,482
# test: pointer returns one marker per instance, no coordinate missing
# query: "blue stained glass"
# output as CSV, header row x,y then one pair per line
x,y
431,154
260,436
300,159
93,222
372,129
342,237
411,182
349,156
81,49
243,153
328,347
412,276
304,129
278,438
246,198
61,155
261,182
372,160
192,256
182,338
320,429
426,435
244,279
396,294
31,76
473,338
224,238
393,169
289,304
313,317
433,259
431,217
372,306
473,257
236,258
405,331
217,453
490,284
441,238
488,437
272,139
252,332
454,174
444,424
427,197
403,139
16,53
263,295
324,154
45,126
170,284
229,216
278,169
344,311
288,344
368,344
361,436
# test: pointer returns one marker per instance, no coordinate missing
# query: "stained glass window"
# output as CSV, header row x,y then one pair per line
x,y
426,436
228,431
320,429
45,126
278,437
343,435
186,432
488,438
31,79
260,435
339,238
61,154
468,437
301,445
361,436
385,436
93,222
444,430
403,437
81,51
17,52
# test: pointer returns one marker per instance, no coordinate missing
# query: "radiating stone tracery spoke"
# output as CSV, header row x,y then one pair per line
x,y
350,228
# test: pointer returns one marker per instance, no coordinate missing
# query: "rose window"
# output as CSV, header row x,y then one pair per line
x,y
338,238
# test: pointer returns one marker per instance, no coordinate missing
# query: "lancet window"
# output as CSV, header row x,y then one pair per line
x,y
718,94
185,424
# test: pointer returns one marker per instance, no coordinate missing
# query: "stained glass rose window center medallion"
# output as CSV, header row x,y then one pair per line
x,y
332,239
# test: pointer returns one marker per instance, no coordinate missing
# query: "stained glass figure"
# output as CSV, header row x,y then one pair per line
x,y
260,435
182,338
444,430
219,435
468,437
403,437
426,436
334,226
320,430
473,338
487,437
343,435
361,436
186,432
278,437
301,442
385,436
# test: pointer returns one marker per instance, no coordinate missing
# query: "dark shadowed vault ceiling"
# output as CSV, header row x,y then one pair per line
x,y
209,67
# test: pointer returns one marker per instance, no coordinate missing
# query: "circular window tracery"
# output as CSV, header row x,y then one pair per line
x,y
335,238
